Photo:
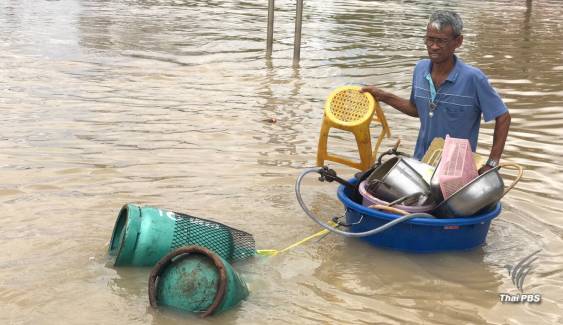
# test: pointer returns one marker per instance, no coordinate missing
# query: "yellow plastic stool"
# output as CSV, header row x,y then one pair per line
x,y
349,110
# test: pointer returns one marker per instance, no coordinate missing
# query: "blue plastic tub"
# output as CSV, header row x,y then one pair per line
x,y
418,235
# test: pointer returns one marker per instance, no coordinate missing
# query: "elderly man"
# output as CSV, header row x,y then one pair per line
x,y
449,96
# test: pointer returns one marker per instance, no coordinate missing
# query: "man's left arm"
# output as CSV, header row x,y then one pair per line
x,y
502,124
493,107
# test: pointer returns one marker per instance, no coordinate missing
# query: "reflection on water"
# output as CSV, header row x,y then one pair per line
x,y
169,103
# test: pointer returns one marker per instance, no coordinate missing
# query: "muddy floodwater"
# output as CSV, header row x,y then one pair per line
x,y
171,104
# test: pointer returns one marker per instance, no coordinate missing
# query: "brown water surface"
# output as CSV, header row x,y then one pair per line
x,y
167,103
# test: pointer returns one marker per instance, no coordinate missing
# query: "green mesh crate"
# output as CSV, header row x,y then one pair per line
x,y
143,235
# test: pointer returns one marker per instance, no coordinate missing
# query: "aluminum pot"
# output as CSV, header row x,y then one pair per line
x,y
395,179
482,192
403,203
425,170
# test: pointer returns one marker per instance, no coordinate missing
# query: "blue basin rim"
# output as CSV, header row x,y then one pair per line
x,y
349,204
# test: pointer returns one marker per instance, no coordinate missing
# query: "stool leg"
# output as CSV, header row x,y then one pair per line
x,y
323,139
377,145
363,140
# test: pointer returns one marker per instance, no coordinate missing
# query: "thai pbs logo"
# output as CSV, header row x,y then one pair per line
x,y
518,274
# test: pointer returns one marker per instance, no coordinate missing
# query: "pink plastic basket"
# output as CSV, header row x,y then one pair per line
x,y
457,166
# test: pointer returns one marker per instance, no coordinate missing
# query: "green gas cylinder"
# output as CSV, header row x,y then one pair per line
x,y
143,235
194,279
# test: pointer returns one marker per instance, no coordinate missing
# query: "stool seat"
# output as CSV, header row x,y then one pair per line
x,y
350,110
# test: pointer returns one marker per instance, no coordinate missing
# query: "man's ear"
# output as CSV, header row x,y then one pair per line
x,y
459,41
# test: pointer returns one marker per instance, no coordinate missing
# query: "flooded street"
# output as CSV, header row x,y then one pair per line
x,y
169,103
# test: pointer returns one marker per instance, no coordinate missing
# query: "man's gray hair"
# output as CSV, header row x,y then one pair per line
x,y
440,19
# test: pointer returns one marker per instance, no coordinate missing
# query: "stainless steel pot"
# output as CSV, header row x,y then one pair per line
x,y
395,179
482,192
423,169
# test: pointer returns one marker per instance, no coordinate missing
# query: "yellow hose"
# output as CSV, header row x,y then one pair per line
x,y
274,252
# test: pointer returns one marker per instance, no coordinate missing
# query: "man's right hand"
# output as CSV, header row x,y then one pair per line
x,y
377,93
403,105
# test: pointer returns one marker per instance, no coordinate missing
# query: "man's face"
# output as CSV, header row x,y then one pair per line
x,y
441,45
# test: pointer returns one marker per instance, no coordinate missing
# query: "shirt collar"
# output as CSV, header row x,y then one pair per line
x,y
452,76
